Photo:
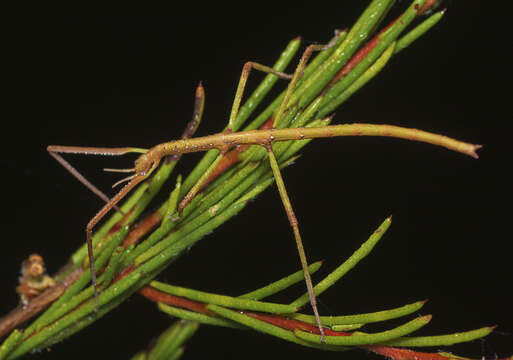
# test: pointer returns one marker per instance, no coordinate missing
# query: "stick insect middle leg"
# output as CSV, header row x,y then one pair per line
x,y
281,185
274,165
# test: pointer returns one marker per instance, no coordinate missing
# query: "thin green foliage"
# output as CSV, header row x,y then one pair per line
x,y
315,96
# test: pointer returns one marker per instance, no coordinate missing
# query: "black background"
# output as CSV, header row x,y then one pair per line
x,y
124,75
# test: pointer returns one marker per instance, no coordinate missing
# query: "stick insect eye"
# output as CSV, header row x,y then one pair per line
x,y
142,165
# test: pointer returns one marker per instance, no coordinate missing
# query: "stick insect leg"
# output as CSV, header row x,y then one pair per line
x,y
81,178
134,179
295,228
233,115
283,193
298,73
96,219
242,84
279,179
54,151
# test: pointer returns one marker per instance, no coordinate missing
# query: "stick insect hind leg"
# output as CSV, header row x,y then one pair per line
x,y
142,170
274,164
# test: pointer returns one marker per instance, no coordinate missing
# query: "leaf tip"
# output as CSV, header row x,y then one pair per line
x,y
199,89
426,318
473,151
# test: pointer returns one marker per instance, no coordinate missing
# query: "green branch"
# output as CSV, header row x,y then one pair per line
x,y
131,256
217,310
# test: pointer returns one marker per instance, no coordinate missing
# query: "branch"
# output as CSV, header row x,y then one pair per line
x,y
212,309
131,261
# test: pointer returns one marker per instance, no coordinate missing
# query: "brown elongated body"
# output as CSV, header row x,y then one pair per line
x,y
263,137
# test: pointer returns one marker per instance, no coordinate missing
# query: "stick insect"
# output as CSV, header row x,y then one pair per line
x,y
150,159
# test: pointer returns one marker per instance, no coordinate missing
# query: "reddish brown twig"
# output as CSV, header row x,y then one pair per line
x,y
407,354
142,228
37,304
367,48
292,324
159,296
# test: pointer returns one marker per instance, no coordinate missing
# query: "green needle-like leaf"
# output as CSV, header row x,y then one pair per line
x,y
363,318
194,316
168,344
10,343
441,340
267,328
418,31
364,339
281,284
354,259
226,301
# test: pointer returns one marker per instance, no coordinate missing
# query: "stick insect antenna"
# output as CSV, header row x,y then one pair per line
x,y
119,170
128,178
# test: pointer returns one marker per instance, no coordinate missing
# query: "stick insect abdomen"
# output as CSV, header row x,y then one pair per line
x,y
264,137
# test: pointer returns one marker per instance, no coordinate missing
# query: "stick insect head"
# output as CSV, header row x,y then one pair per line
x,y
145,164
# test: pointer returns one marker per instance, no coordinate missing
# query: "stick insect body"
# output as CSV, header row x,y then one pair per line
x,y
149,159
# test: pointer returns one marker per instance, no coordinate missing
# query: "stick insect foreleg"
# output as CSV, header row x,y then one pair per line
x,y
144,166
55,150
96,219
